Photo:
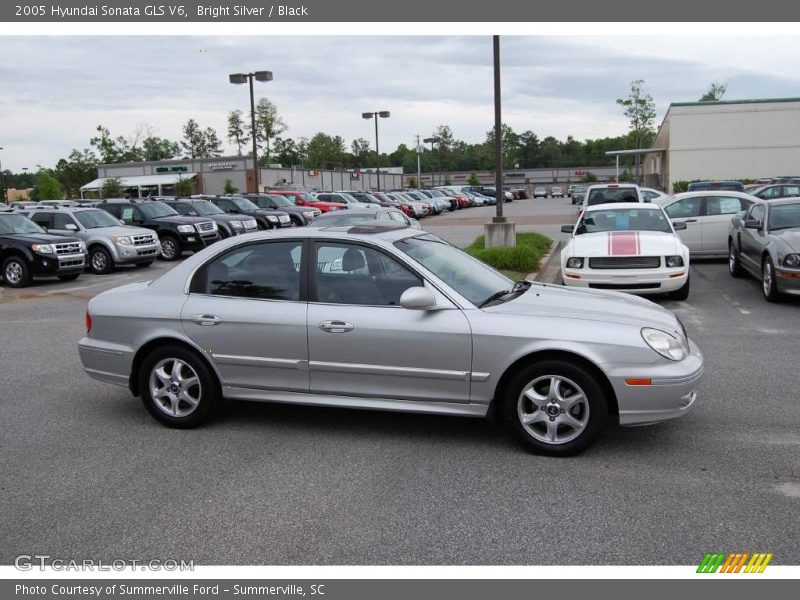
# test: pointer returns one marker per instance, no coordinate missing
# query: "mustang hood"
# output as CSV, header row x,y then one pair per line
x,y
790,236
624,243
556,301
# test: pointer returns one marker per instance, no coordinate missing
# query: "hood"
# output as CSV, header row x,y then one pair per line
x,y
43,238
225,218
181,219
119,230
624,243
556,301
791,237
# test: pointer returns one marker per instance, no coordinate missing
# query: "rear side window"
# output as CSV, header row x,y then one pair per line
x,y
723,205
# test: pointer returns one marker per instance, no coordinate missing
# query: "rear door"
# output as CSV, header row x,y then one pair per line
x,y
715,223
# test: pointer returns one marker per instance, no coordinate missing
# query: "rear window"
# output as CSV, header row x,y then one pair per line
x,y
727,186
607,195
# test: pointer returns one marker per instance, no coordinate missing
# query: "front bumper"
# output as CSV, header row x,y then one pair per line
x,y
62,264
195,242
671,393
634,281
788,281
127,255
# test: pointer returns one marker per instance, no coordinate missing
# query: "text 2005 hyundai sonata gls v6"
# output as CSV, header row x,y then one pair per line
x,y
391,318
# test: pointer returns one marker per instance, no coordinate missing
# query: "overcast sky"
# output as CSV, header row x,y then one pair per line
x,y
55,91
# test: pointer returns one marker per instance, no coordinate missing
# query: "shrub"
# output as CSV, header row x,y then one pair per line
x,y
111,188
473,179
184,188
522,258
229,188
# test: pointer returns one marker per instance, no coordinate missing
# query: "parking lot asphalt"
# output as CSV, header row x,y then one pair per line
x,y
87,473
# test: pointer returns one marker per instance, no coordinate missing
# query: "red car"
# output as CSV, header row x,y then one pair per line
x,y
463,201
305,199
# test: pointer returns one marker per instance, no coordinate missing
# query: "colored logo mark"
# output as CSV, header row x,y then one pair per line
x,y
734,562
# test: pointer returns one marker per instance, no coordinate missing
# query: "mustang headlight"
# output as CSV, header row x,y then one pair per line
x,y
122,240
665,344
673,261
575,262
43,248
792,261
186,228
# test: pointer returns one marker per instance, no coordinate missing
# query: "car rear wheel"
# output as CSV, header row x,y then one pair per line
x,y
178,388
734,266
16,272
768,283
170,248
555,408
100,261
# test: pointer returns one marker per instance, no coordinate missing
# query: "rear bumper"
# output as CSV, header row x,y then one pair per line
x,y
107,362
634,281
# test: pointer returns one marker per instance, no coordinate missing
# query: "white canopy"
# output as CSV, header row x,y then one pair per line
x,y
140,180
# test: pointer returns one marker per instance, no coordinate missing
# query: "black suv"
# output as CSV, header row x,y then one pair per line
x,y
300,215
176,233
239,205
26,250
228,225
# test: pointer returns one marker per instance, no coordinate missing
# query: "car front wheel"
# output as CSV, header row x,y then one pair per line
x,y
768,283
100,261
178,389
16,272
170,248
555,408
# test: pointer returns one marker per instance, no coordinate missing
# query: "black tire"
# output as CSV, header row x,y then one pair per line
x,y
71,277
172,245
16,272
683,292
100,261
734,264
593,408
770,289
143,265
207,389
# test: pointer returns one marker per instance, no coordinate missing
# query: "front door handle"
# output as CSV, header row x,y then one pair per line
x,y
690,221
207,320
336,326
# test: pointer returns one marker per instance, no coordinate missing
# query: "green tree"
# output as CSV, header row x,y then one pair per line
x,y
640,109
230,188
111,188
193,142
589,177
158,148
269,124
447,180
47,187
473,179
412,182
626,176
79,168
113,149
237,131
510,142
184,187
715,92
325,151
360,149
212,143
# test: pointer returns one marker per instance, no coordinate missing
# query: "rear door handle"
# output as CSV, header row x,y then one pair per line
x,y
690,221
336,326
207,320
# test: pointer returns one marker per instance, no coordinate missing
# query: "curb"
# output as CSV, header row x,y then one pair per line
x,y
550,266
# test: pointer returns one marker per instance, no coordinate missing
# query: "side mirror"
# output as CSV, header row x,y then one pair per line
x,y
121,222
418,298
752,224
71,227
567,228
678,225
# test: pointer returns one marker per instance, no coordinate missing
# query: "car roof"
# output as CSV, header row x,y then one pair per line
x,y
62,209
702,193
625,205
779,201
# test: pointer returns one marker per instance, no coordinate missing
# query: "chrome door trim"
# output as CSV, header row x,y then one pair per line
x,y
334,367
234,359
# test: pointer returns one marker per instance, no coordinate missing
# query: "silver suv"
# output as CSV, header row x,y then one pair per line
x,y
108,242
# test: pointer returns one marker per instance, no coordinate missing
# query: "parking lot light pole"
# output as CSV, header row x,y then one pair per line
x,y
432,140
2,180
383,114
239,79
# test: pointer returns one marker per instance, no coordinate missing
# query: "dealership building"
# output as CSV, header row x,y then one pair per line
x,y
736,139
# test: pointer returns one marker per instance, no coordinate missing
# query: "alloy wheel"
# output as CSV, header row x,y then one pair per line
x,y
766,278
14,273
553,409
99,261
175,387
168,249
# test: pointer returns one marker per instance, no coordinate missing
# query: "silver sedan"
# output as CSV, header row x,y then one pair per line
x,y
390,318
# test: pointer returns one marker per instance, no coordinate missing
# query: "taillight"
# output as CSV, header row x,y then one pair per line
x,y
88,322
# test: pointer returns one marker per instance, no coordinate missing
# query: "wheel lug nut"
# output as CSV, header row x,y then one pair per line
x,y
562,411
552,418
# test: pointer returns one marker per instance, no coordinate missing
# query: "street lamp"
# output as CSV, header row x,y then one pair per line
x,y
3,182
383,114
239,79
432,140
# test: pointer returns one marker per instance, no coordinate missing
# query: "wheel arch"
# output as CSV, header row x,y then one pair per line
x,y
19,252
153,344
556,354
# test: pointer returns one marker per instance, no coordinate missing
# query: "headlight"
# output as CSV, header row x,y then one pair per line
x,y
186,228
272,218
251,224
792,261
308,215
122,240
575,262
43,248
673,261
236,224
665,344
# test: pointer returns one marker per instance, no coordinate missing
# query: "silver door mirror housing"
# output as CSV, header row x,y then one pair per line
x,y
418,298
71,227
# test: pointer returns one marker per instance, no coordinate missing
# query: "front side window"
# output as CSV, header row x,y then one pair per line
x,y
268,271
354,274
684,208
757,213
43,219
61,220
784,216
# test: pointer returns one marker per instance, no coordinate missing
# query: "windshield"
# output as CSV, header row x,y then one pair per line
x,y
243,204
784,216
471,278
607,195
204,207
17,224
153,210
623,219
95,218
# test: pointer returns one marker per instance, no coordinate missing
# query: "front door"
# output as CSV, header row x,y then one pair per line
x,y
362,343
246,311
752,240
688,210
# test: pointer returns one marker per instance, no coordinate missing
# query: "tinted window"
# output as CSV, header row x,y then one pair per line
x,y
129,213
770,192
153,210
182,209
268,271
722,205
687,207
92,219
351,274
42,220
784,216
604,196
60,220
